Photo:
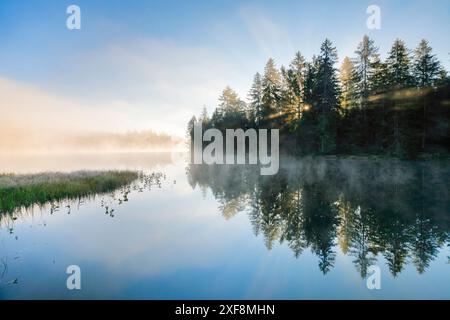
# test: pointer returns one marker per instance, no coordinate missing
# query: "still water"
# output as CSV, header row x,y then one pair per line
x,y
224,232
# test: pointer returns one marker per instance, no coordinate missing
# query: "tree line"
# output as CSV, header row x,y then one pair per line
x,y
398,107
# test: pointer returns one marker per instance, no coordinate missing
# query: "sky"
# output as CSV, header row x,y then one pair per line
x,y
139,64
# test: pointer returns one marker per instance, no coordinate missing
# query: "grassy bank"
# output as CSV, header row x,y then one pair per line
x,y
26,190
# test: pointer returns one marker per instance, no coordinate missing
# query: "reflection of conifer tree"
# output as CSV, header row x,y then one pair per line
x,y
326,256
448,245
293,226
394,208
273,196
255,212
320,221
394,223
395,254
230,207
361,242
424,246
345,227
425,235
395,242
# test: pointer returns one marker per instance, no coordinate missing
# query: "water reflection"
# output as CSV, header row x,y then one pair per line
x,y
173,243
365,208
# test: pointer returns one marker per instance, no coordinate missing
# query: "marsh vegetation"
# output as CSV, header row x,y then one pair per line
x,y
26,190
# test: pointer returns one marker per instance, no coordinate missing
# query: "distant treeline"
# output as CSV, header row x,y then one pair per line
x,y
398,107
133,140
24,140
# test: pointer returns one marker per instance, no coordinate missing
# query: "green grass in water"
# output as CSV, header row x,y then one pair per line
x,y
26,190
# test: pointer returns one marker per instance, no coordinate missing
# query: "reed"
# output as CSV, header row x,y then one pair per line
x,y
18,191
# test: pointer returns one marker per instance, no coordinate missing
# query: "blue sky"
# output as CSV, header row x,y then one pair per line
x,y
152,64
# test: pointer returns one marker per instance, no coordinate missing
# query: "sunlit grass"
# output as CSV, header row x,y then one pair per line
x,y
26,190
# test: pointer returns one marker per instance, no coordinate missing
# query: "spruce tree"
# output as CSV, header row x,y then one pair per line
x,y
271,86
426,74
307,131
289,96
298,67
425,65
398,66
204,118
399,77
230,102
365,57
379,84
255,96
347,83
231,111
327,90
297,70
310,83
379,78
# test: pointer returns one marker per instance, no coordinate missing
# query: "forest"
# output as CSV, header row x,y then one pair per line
x,y
398,107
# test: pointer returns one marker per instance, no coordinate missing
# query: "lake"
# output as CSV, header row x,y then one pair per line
x,y
313,231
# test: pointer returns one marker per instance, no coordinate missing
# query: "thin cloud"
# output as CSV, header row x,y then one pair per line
x,y
271,38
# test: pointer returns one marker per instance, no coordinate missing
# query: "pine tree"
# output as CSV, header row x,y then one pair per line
x,y
347,83
378,86
296,77
310,83
379,78
307,131
204,118
190,131
399,76
365,56
255,96
231,111
271,86
230,102
425,65
443,78
288,99
298,67
398,66
426,72
328,96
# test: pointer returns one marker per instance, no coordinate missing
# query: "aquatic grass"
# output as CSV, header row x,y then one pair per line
x,y
18,191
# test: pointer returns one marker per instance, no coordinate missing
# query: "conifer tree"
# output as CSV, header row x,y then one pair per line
x,y
231,110
204,118
327,90
290,97
347,83
426,72
426,67
379,85
230,102
271,88
398,66
379,78
296,81
255,96
363,70
399,77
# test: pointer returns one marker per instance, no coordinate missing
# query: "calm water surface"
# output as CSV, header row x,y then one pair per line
x,y
213,232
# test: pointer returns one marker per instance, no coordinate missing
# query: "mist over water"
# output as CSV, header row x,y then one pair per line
x,y
310,231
